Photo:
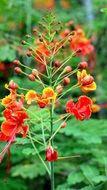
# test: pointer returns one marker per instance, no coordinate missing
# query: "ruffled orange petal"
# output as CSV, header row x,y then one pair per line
x,y
89,87
31,96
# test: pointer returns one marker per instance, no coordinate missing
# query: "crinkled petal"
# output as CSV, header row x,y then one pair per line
x,y
7,113
3,137
77,114
89,87
69,106
83,101
8,127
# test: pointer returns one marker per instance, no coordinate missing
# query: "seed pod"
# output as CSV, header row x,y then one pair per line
x,y
31,77
66,81
18,70
83,65
87,80
68,69
16,62
59,89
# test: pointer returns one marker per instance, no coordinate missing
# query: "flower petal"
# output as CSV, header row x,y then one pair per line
x,y
89,87
8,127
69,106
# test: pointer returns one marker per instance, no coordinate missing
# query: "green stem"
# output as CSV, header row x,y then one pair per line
x,y
52,163
51,127
36,150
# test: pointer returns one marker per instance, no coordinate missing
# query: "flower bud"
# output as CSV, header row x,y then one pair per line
x,y
35,30
51,154
66,81
31,77
83,65
23,42
68,69
35,72
13,85
87,80
29,53
63,47
57,63
16,62
18,70
28,36
70,23
40,39
63,124
30,48
59,89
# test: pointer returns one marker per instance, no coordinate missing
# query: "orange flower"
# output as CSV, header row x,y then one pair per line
x,y
80,41
7,100
31,96
11,97
49,93
86,81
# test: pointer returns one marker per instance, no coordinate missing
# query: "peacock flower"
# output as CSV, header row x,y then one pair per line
x,y
80,41
81,109
49,93
86,81
31,96
14,121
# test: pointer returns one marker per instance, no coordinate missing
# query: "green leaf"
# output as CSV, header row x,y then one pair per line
x,y
28,170
74,178
89,172
7,53
100,178
28,151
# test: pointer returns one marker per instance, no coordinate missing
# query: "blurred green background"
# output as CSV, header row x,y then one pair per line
x,y
87,138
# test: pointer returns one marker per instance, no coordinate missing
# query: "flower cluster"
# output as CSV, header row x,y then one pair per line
x,y
14,115
53,72
80,41
42,100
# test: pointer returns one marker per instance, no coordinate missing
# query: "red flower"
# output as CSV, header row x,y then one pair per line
x,y
79,41
14,121
51,154
82,109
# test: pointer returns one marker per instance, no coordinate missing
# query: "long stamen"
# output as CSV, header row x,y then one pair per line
x,y
2,154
